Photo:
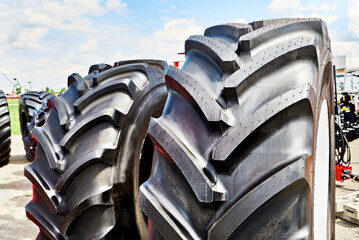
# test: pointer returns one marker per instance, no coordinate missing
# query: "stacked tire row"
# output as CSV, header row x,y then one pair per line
x,y
243,149
5,131
28,103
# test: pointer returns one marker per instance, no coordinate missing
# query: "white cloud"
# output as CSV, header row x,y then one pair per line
x,y
328,19
296,7
82,49
119,56
240,20
28,21
168,9
298,10
70,9
285,6
167,42
77,8
30,39
44,41
321,7
88,46
353,17
33,18
350,48
3,38
178,30
115,5
328,8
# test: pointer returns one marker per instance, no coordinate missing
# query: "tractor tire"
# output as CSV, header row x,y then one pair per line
x,y
5,131
91,143
244,148
28,103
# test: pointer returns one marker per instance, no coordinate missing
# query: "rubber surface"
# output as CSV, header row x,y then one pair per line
x,y
28,103
5,131
235,147
91,151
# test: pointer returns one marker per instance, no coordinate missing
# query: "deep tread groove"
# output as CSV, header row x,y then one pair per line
x,y
270,29
65,107
39,214
211,109
216,49
99,67
49,141
123,84
266,57
192,166
237,134
142,67
254,126
230,32
109,114
225,226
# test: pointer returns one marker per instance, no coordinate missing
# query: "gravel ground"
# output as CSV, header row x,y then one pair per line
x,y
343,229
16,192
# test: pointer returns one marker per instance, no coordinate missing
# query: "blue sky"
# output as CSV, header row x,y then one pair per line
x,y
44,41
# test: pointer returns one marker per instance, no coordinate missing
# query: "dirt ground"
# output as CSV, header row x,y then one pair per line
x,y
16,192
343,229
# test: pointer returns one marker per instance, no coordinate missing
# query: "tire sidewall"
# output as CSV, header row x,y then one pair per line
x,y
23,112
134,133
325,94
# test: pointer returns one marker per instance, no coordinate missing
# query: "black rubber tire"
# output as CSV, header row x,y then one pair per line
x,y
87,164
28,102
236,146
5,131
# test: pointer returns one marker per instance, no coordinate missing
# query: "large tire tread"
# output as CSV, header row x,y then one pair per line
x,y
225,145
78,142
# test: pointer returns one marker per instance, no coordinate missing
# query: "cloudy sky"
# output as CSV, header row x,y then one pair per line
x,y
44,41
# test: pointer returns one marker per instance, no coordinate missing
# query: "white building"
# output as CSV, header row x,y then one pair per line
x,y
347,68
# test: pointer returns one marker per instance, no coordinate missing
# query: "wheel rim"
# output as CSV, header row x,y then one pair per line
x,y
23,125
321,176
142,171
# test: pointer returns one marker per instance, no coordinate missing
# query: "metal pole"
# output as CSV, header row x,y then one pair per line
x,y
7,78
335,90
